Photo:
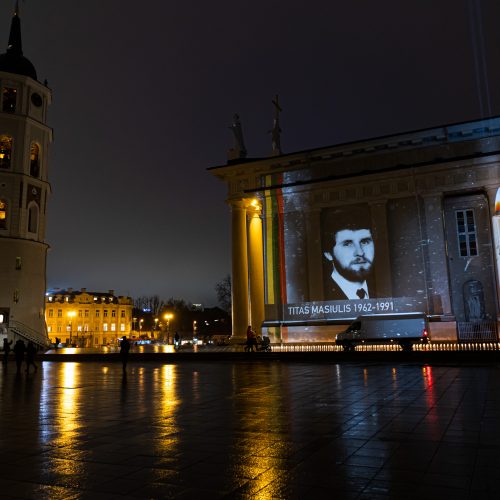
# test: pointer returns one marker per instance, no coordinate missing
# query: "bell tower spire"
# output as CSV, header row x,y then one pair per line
x,y
25,139
15,45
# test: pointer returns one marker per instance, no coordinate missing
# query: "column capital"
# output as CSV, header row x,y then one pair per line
x,y
253,204
377,203
426,196
493,195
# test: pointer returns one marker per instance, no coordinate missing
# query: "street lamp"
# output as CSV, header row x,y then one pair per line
x,y
71,315
141,321
168,317
156,324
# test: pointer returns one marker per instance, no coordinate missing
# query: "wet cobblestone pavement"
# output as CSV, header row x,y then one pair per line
x,y
250,430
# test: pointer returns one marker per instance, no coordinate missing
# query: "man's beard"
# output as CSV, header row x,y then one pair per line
x,y
350,274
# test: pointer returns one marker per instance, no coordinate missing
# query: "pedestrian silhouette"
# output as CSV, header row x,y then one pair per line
x,y
6,350
251,340
176,340
19,350
30,356
124,349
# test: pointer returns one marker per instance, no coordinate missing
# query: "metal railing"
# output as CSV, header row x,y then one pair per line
x,y
477,331
26,333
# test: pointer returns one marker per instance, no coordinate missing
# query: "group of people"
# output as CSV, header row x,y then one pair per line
x,y
22,353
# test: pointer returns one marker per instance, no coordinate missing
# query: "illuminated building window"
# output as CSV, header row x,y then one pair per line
x,y
59,329
9,97
466,232
35,160
113,327
122,327
79,328
105,327
3,214
49,329
5,151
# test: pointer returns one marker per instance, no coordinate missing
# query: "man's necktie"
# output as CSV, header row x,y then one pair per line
x,y
361,293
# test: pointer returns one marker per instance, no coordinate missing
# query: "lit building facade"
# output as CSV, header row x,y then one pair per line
x,y
428,201
24,189
87,319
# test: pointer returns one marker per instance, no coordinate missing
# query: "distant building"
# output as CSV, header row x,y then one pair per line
x,y
24,188
87,319
428,205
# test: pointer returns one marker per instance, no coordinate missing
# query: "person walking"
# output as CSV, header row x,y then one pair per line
x,y
19,350
124,349
251,341
30,356
6,350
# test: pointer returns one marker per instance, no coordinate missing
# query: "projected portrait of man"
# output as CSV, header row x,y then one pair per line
x,y
351,250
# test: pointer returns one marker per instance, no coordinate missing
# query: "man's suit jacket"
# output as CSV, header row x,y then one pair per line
x,y
334,292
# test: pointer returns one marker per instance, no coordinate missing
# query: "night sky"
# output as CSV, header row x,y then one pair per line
x,y
144,94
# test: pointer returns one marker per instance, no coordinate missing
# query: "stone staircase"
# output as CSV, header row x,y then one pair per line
x,y
24,332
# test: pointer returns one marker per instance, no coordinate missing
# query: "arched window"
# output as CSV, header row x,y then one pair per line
x,y
35,160
5,151
9,97
3,214
33,218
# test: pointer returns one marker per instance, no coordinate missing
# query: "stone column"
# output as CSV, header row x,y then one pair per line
x,y
256,268
239,289
382,268
492,193
438,279
314,255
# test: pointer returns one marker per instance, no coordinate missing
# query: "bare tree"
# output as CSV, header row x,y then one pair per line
x,y
223,290
151,303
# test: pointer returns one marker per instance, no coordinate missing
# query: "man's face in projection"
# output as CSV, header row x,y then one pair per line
x,y
353,253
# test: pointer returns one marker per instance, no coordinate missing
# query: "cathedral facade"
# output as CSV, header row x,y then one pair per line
x,y
398,224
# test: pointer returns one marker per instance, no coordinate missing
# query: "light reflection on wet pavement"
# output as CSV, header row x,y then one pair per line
x,y
249,430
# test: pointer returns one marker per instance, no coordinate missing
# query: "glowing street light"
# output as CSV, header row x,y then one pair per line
x,y
71,315
168,317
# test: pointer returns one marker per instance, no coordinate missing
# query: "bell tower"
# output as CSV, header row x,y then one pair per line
x,y
24,188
